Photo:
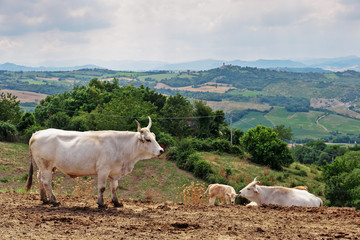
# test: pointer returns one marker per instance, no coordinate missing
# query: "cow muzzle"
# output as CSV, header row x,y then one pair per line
x,y
161,152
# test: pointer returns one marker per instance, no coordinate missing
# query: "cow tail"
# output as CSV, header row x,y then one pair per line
x,y
31,171
205,191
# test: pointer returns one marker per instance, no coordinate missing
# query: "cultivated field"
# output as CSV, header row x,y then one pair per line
x,y
25,96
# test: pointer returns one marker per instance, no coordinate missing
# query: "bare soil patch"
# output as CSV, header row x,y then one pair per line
x,y
24,96
207,87
24,217
228,106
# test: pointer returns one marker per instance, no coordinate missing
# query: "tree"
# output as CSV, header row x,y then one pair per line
x,y
266,147
342,178
26,121
9,108
58,120
177,112
204,120
284,133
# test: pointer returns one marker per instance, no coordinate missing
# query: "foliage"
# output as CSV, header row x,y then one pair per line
x,y
342,179
9,108
26,121
266,148
284,133
30,131
175,111
7,131
58,120
317,152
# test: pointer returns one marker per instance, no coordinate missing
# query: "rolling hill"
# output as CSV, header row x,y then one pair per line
x,y
251,95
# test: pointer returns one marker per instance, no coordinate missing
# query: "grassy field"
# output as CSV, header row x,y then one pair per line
x,y
303,124
251,120
339,123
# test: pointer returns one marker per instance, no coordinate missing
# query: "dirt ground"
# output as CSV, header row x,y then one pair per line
x,y
22,216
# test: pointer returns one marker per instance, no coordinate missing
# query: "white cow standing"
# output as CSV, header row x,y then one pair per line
x,y
221,191
282,196
107,154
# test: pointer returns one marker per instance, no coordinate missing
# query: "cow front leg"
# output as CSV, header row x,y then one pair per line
x,y
101,189
113,186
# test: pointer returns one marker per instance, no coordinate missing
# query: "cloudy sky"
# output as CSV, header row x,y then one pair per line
x,y
68,32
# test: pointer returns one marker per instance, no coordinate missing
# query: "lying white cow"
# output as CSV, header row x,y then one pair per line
x,y
221,191
107,154
282,196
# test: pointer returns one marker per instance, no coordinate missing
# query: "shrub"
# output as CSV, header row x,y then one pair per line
x,y
266,147
166,139
29,132
7,132
342,178
181,152
202,169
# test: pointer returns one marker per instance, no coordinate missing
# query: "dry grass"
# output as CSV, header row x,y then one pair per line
x,y
192,194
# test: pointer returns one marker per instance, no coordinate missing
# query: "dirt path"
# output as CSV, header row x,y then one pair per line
x,y
22,216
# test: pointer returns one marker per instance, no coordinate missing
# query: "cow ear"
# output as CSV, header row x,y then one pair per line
x,y
237,195
256,189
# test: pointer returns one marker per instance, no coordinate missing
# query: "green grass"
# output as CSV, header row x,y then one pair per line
x,y
158,77
244,93
303,124
251,120
341,124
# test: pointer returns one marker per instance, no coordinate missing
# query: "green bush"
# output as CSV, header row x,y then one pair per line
x,y
58,120
7,132
180,153
202,169
266,147
342,178
166,139
30,131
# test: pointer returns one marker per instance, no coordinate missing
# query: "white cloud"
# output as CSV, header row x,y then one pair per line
x,y
172,30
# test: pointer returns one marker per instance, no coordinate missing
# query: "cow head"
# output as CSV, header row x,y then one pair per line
x,y
250,191
148,140
232,197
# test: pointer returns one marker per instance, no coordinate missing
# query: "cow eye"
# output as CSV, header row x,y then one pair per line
x,y
148,140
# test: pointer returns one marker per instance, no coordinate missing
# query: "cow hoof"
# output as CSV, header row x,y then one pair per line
x,y
56,204
117,204
102,206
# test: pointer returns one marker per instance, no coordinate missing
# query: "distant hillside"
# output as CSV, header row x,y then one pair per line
x,y
14,67
248,94
306,65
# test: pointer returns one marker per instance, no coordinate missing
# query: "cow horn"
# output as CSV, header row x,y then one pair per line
x,y
138,124
149,126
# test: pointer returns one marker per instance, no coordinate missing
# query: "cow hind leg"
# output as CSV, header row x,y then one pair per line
x,y
43,196
212,201
45,179
113,186
101,189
